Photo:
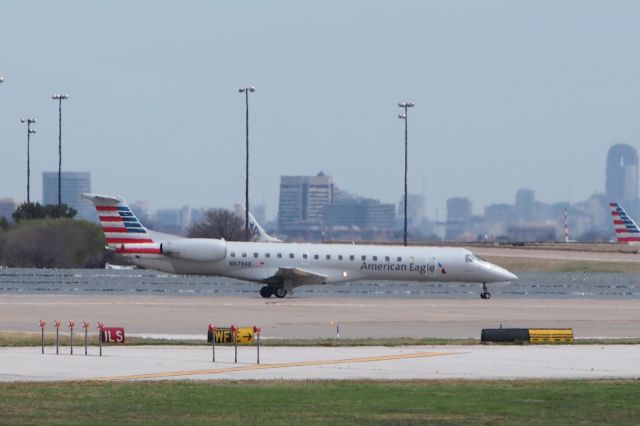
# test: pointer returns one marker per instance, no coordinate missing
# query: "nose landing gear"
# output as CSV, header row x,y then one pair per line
x,y
485,292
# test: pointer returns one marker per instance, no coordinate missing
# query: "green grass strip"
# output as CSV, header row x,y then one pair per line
x,y
323,402
25,339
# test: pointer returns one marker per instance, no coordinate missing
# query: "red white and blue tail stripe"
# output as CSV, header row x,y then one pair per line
x,y
626,229
123,231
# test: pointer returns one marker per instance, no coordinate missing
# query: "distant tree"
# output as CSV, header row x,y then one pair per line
x,y
218,223
53,212
27,211
53,243
4,223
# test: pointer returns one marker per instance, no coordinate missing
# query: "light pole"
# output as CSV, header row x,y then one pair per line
x,y
406,106
59,98
246,91
30,131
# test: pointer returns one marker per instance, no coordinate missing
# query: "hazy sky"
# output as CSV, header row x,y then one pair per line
x,y
508,95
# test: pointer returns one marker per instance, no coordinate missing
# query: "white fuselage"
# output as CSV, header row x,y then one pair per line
x,y
256,261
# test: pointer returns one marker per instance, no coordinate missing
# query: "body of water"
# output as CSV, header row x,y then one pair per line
x,y
146,282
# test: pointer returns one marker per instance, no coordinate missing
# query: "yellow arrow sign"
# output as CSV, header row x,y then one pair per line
x,y
224,335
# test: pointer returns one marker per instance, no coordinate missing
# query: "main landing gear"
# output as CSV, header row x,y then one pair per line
x,y
485,292
268,291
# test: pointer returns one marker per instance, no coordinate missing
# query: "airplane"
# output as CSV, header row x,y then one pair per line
x,y
627,232
255,230
283,266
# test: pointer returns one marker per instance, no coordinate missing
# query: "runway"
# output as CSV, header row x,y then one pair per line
x,y
306,317
311,363
313,317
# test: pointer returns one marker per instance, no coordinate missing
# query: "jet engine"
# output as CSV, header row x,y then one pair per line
x,y
195,249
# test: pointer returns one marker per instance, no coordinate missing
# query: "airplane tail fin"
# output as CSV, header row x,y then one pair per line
x,y
257,233
626,229
120,226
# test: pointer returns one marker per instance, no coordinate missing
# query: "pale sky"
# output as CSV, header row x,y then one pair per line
x,y
508,95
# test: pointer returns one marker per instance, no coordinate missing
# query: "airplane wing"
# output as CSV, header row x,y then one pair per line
x,y
296,277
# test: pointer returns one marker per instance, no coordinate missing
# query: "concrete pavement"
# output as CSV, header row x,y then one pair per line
x,y
478,362
312,317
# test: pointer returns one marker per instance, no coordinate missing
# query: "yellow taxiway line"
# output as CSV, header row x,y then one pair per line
x,y
271,366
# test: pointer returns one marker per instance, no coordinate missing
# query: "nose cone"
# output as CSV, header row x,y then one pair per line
x,y
498,274
505,275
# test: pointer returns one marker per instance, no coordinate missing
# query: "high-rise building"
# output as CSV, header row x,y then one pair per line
x,y
458,217
73,185
7,207
364,213
415,209
525,204
260,213
302,200
622,173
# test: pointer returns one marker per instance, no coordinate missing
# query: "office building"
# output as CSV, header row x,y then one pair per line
x,y
364,213
7,207
302,200
621,183
458,218
415,210
525,204
73,184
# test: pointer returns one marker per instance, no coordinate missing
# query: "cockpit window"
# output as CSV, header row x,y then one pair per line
x,y
470,258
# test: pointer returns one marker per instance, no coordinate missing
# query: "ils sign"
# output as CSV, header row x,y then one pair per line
x,y
224,335
112,335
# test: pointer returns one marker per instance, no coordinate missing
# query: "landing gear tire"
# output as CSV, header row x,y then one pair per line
x,y
266,291
280,292
485,292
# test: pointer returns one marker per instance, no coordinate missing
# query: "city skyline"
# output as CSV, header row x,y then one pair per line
x,y
507,96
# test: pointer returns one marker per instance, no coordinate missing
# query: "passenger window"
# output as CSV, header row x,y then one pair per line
x,y
316,257
233,254
375,258
255,254
364,257
328,257
339,257
304,256
279,255
244,254
386,258
352,257
267,255
290,255
399,259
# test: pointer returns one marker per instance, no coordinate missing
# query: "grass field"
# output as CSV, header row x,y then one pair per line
x,y
21,339
326,402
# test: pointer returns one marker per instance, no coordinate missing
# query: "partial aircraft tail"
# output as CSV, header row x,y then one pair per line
x,y
123,231
257,233
626,229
